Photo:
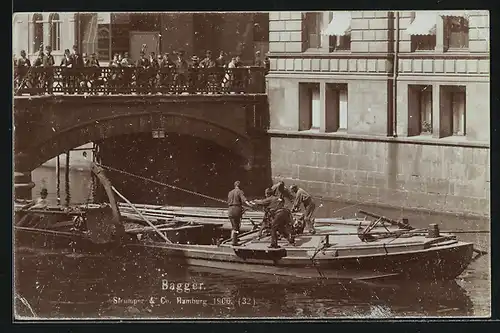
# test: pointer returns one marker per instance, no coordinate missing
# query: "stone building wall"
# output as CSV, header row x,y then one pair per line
x,y
381,155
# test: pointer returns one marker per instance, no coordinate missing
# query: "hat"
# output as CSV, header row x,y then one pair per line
x,y
208,52
236,183
294,187
142,53
195,58
44,191
181,52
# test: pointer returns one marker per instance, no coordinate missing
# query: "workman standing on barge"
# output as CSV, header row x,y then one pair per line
x,y
280,191
302,197
281,218
235,200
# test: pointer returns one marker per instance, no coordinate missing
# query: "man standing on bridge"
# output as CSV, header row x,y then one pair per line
x,y
235,200
302,197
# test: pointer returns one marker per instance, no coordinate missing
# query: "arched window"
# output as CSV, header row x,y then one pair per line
x,y
55,32
37,32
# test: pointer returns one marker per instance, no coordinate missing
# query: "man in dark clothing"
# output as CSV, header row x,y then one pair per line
x,y
142,65
23,61
280,216
235,200
48,64
302,197
266,221
208,62
22,66
77,63
181,77
281,191
221,60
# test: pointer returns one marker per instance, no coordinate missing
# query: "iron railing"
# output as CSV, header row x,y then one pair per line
x,y
128,80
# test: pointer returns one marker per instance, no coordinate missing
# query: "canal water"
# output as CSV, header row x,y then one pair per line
x,y
69,285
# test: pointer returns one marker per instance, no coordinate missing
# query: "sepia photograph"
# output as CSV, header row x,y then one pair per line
x,y
251,165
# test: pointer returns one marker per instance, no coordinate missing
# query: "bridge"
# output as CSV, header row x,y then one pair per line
x,y
49,121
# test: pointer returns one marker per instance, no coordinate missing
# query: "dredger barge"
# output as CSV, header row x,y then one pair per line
x,y
369,248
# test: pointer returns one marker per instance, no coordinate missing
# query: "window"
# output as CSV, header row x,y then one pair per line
x,y
456,32
336,107
458,110
453,110
423,42
419,109
312,30
309,106
340,42
103,44
37,32
55,32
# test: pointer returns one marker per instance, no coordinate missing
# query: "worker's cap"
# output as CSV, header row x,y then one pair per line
x,y
237,183
269,191
48,48
294,187
44,191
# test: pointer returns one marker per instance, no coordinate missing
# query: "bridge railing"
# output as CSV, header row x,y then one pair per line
x,y
127,80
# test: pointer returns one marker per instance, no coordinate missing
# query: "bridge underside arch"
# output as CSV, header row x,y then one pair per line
x,y
109,127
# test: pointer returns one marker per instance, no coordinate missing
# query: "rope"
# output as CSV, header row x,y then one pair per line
x,y
163,184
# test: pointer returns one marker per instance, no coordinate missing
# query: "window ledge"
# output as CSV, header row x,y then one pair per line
x,y
456,141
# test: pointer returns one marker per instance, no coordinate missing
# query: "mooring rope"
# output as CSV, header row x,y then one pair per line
x,y
163,184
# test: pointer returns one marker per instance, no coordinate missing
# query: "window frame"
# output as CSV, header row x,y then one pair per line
x,y
462,30
55,24
38,28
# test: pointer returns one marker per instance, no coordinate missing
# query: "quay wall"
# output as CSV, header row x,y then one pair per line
x,y
441,178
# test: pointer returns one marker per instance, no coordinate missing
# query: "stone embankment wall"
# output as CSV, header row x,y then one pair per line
x,y
418,176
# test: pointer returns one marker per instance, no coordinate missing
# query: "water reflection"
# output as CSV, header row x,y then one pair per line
x,y
59,285
67,285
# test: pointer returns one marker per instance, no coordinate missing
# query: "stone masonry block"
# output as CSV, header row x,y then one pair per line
x,y
289,64
405,47
295,15
306,64
359,47
353,162
365,163
427,65
277,47
439,65
276,25
478,46
484,66
356,35
343,65
472,65
273,63
297,64
325,65
315,64
381,65
478,22
321,159
337,161
285,15
274,36
295,25
381,35
404,22
284,36
381,14
293,47
362,65
359,24
274,16
334,65
371,65
449,65
356,14
369,35
461,66
352,65
368,14
320,146
295,36
378,24
417,65
335,146
378,47
281,64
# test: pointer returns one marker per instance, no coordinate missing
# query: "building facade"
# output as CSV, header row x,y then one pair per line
x,y
109,33
389,108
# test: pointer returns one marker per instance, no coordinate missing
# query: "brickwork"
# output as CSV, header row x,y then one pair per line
x,y
439,178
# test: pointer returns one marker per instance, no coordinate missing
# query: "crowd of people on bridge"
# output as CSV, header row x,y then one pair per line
x,y
146,74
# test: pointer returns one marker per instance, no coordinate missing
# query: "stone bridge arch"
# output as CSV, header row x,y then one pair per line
x,y
111,126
